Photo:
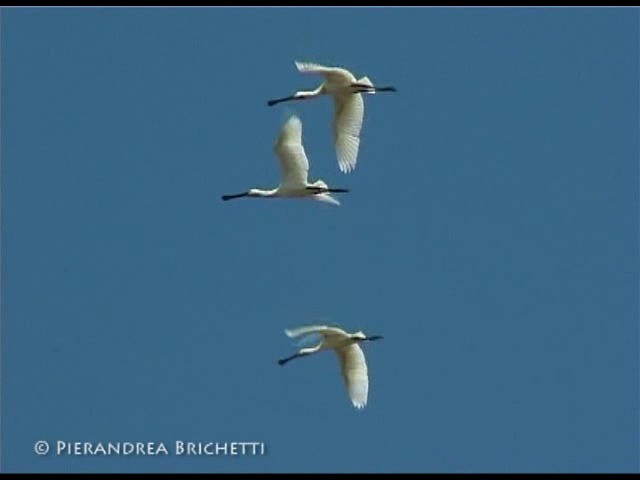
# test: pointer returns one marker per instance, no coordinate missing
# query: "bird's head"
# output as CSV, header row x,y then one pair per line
x,y
373,338
358,336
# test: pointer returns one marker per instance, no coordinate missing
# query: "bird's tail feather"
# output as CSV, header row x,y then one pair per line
x,y
326,198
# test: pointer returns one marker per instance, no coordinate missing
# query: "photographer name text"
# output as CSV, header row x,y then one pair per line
x,y
178,447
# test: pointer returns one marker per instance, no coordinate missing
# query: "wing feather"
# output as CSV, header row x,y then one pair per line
x,y
349,114
294,165
335,74
354,373
322,329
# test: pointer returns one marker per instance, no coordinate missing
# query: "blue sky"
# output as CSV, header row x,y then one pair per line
x,y
491,235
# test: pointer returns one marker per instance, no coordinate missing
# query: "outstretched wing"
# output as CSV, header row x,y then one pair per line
x,y
354,373
347,125
321,329
294,164
334,74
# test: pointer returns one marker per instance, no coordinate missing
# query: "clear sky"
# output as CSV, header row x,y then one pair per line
x,y
491,236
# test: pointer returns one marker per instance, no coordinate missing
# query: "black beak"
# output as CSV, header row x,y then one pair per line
x,y
236,195
374,337
271,103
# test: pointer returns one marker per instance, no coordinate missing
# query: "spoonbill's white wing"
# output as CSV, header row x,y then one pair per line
x,y
310,340
346,129
333,74
354,373
321,329
294,164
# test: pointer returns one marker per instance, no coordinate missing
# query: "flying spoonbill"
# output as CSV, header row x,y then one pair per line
x,y
350,355
294,167
349,107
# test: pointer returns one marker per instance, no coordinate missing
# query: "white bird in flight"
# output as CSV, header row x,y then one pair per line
x,y
294,167
352,362
349,107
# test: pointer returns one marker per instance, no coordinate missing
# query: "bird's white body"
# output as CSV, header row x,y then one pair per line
x,y
294,168
346,91
352,361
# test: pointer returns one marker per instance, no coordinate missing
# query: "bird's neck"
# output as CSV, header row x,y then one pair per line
x,y
256,192
301,95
